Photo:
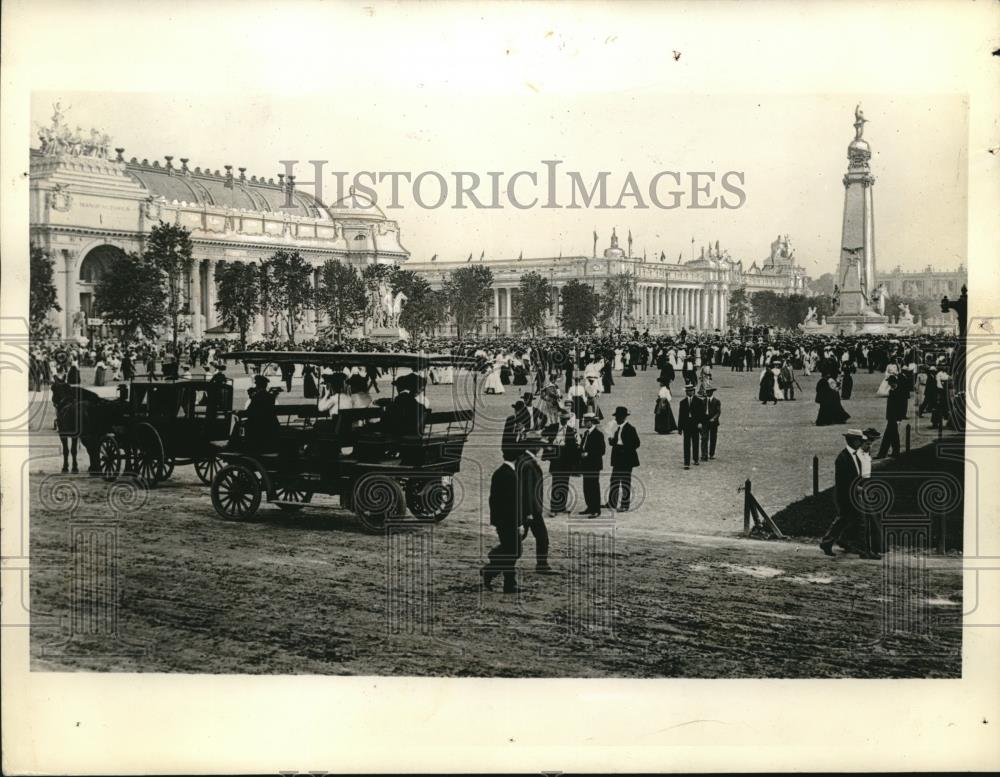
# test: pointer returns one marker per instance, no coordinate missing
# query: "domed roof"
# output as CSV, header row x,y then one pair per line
x,y
356,205
222,191
859,145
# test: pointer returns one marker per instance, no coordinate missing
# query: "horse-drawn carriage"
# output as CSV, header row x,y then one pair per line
x,y
163,424
378,470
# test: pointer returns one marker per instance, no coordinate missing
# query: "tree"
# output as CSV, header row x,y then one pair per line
x,y
824,283
238,297
469,291
289,289
424,309
533,301
920,308
168,249
42,294
617,301
341,296
578,305
740,310
131,295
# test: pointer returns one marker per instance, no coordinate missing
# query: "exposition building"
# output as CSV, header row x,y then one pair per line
x,y
88,205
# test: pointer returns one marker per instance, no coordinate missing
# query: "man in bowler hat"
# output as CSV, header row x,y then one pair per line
x,y
690,418
592,449
624,458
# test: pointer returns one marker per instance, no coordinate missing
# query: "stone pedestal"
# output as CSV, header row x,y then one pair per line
x,y
387,334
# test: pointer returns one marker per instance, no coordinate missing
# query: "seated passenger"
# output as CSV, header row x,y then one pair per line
x,y
405,416
262,426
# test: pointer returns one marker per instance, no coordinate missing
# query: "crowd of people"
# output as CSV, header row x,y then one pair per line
x,y
561,416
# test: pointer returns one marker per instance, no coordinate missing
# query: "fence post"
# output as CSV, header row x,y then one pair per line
x,y
815,475
907,438
746,508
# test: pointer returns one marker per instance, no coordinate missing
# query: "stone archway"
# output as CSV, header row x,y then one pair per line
x,y
95,265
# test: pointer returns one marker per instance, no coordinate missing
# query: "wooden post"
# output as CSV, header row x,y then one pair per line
x,y
746,509
907,438
816,473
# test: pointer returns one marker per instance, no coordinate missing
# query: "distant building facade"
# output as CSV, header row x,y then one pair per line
x,y
928,283
692,295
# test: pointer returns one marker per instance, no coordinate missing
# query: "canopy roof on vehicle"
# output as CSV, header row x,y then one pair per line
x,y
413,361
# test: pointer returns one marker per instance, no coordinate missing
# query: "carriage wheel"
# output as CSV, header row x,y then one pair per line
x,y
430,499
168,467
207,468
236,493
109,458
289,500
149,455
377,499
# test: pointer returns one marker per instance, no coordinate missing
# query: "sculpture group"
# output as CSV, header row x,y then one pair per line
x,y
386,307
58,139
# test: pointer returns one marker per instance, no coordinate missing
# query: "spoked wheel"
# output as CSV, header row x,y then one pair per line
x,y
430,499
290,500
207,468
168,467
236,493
149,458
109,458
376,499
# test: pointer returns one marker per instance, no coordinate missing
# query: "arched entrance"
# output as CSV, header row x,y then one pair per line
x,y
95,265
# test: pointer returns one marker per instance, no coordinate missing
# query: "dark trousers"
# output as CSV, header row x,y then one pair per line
x,y
890,439
592,491
709,435
691,444
504,556
560,491
788,392
541,535
620,493
843,530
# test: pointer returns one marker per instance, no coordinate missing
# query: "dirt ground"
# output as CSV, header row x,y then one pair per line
x,y
668,590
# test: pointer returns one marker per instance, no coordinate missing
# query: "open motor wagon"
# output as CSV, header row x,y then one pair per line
x,y
377,472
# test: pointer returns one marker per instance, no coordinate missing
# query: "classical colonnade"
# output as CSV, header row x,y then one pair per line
x,y
656,306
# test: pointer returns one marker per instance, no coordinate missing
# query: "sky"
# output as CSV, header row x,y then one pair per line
x,y
789,148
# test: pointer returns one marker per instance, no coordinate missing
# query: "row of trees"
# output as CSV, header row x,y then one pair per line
x,y
145,292
767,308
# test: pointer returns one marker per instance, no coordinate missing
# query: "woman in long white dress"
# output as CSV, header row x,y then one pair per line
x,y
618,360
492,384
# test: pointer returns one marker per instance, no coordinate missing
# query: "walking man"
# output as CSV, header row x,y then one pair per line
x,y
592,449
710,429
530,486
690,417
847,478
506,516
624,457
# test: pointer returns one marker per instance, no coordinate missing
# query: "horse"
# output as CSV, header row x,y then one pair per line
x,y
82,415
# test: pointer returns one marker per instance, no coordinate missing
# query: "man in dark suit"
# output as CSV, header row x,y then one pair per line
x,y
515,427
531,487
506,516
847,478
592,449
710,429
564,457
405,416
624,457
896,405
690,417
